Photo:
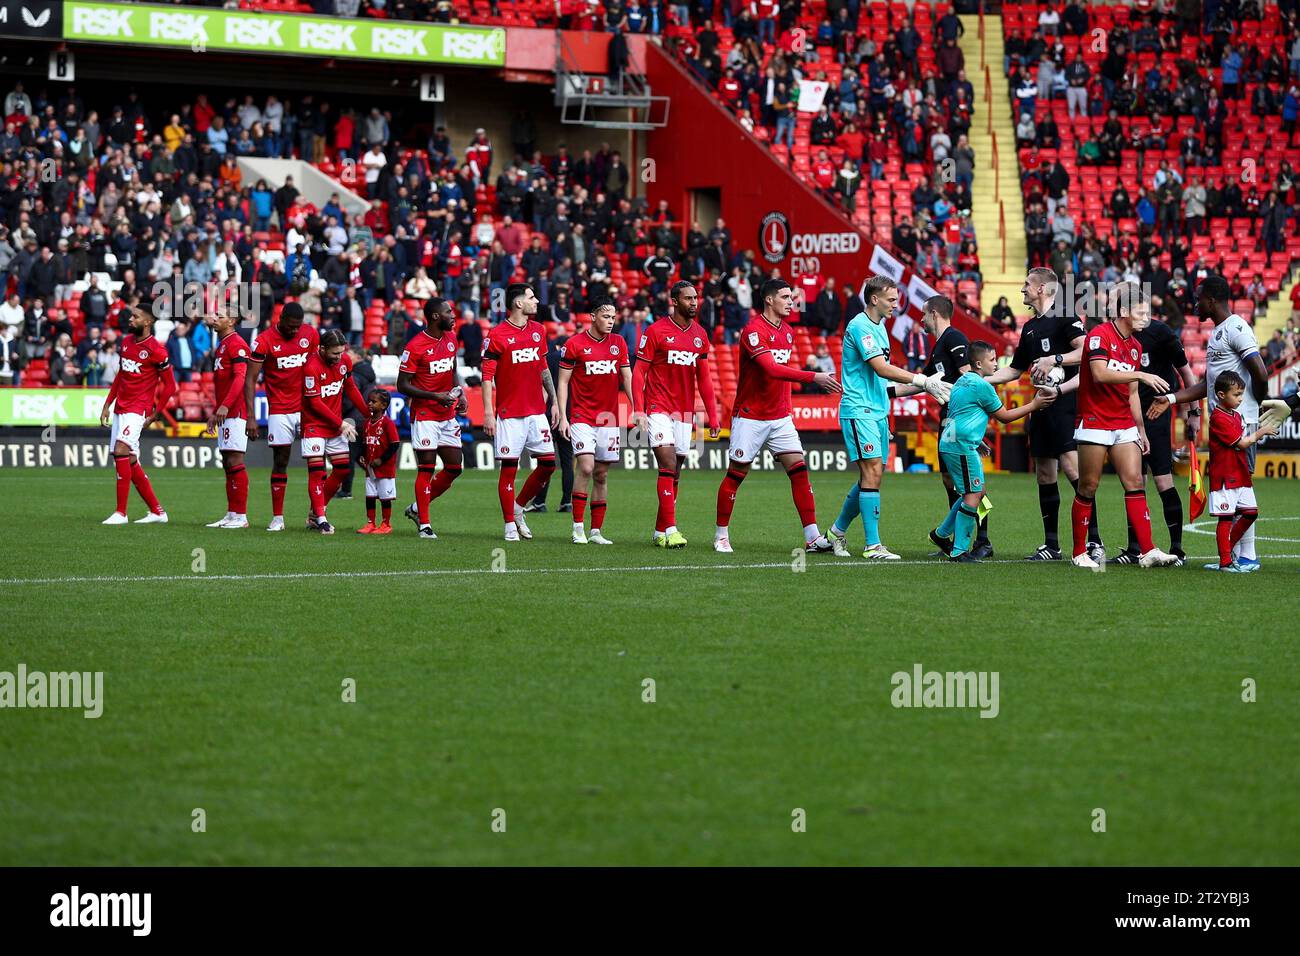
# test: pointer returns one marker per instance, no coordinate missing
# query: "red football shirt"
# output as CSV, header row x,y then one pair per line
x,y
1228,465
1106,406
231,351
432,364
380,436
282,363
759,395
143,362
673,353
325,382
515,359
597,372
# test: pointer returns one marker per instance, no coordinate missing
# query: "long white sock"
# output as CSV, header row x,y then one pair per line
x,y
1246,546
811,532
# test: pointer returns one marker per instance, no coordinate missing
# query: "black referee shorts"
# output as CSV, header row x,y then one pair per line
x,y
1051,430
1160,460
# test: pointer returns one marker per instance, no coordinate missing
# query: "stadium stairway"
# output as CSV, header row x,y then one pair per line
x,y
989,188
1279,310
924,446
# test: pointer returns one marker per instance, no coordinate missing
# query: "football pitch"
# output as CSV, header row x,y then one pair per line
x,y
545,703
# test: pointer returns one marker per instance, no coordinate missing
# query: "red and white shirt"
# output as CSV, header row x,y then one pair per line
x,y
229,366
381,434
431,363
514,359
1106,406
283,361
759,394
325,384
673,354
597,372
136,385
1229,467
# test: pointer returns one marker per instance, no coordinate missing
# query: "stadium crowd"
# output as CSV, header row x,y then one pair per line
x,y
146,208
852,95
1162,153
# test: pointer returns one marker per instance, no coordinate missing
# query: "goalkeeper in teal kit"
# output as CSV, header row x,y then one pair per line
x,y
866,374
970,405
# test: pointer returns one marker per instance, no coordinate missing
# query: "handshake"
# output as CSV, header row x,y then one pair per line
x,y
933,386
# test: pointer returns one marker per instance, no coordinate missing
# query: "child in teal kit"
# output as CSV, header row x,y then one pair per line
x,y
972,403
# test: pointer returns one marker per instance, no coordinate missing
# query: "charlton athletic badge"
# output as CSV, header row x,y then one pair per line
x,y
536,337
303,343
699,342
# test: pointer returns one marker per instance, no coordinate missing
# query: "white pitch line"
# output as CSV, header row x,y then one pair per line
x,y
457,572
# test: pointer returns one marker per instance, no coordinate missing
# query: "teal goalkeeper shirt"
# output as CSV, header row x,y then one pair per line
x,y
865,394
972,401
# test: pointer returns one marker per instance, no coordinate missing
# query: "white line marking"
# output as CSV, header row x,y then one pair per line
x,y
1195,528
454,572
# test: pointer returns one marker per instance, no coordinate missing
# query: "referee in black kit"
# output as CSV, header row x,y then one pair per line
x,y
1051,338
948,360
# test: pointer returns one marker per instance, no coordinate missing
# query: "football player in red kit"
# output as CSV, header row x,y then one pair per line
x,y
672,363
1109,422
325,432
136,403
763,417
594,367
230,368
516,387
427,375
380,462
279,355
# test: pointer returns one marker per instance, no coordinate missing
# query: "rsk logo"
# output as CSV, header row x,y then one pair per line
x,y
398,41
682,357
254,31
291,361
131,365
102,22
182,27
440,365
1116,365
326,37
606,367
525,355
782,356
332,389
459,45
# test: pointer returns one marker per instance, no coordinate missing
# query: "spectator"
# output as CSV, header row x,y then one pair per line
x,y
181,351
11,360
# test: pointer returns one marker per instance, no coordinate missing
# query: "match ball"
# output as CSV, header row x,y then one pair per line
x,y
1055,375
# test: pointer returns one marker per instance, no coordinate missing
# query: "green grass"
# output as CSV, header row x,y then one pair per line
x,y
523,691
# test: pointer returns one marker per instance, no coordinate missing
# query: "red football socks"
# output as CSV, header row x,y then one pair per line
x,y
801,489
506,487
538,479
1135,503
142,485
664,489
122,463
727,495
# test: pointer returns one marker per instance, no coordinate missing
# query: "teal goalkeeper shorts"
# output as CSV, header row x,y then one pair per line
x,y
865,437
966,468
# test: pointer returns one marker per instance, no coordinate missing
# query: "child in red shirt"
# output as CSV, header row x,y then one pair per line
x,y
1232,497
380,461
